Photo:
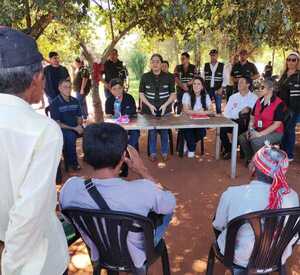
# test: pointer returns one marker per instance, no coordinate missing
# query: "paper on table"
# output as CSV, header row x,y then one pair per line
x,y
198,116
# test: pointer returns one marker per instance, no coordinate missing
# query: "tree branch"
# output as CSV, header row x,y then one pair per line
x,y
40,25
28,17
117,39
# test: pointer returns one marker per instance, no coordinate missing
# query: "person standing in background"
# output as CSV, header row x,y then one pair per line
x,y
289,92
184,74
113,68
213,75
227,81
53,74
81,85
244,68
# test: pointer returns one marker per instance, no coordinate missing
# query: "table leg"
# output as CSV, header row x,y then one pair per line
x,y
234,151
218,143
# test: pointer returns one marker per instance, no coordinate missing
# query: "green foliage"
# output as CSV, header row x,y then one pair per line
x,y
137,63
33,16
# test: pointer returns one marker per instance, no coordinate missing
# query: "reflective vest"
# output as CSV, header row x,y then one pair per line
x,y
264,117
218,78
185,76
157,90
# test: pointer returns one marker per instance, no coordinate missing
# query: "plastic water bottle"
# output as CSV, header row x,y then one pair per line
x,y
117,107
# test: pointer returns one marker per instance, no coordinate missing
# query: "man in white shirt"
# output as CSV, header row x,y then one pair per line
x,y
238,108
269,190
31,236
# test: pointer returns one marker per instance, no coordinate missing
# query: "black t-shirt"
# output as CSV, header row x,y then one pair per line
x,y
128,106
52,77
114,70
83,72
244,70
279,113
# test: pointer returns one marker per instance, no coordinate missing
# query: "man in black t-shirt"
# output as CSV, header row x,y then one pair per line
x,y
243,68
54,73
113,68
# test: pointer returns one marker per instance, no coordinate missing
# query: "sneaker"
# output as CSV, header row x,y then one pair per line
x,y
164,157
191,154
291,159
153,157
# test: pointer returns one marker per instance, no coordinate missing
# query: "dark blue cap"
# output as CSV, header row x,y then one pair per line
x,y
17,49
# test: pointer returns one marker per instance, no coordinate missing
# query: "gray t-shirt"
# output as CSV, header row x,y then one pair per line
x,y
138,196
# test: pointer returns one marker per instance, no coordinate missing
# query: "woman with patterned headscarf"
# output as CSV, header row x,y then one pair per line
x,y
268,190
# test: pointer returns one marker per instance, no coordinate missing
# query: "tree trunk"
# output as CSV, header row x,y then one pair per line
x,y
97,104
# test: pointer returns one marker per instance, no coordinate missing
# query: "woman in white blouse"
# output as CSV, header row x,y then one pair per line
x,y
195,102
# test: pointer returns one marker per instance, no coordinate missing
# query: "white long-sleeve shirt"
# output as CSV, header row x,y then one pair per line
x,y
243,199
237,103
30,146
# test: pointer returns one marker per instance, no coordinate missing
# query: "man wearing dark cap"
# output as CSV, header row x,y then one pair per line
x,y
53,74
243,68
213,75
32,240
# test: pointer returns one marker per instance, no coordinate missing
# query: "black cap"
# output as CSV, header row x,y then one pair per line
x,y
17,49
213,51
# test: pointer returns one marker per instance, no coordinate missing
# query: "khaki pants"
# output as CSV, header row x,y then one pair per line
x,y
1,249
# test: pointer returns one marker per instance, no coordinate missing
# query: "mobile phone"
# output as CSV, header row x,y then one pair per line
x,y
124,168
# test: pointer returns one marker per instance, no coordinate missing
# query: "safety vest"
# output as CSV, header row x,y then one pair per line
x,y
218,76
264,117
157,91
185,75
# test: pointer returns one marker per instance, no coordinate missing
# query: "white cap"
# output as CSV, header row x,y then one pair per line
x,y
295,53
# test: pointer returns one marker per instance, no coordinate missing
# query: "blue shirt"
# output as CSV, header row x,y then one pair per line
x,y
66,112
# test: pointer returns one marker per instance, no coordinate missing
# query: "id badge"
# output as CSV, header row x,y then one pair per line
x,y
259,124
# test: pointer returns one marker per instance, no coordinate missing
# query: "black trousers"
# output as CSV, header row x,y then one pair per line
x,y
243,127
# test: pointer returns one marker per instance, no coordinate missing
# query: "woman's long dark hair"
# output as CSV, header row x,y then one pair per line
x,y
203,94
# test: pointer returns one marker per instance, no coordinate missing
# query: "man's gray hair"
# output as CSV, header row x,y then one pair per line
x,y
16,80
269,84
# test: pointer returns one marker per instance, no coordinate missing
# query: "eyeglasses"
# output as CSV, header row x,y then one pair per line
x,y
291,60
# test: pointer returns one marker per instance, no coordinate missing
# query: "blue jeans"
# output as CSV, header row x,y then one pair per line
x,y
161,230
289,136
164,138
239,271
70,137
83,105
192,136
133,138
218,100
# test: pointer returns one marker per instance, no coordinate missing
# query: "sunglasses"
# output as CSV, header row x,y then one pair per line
x,y
291,60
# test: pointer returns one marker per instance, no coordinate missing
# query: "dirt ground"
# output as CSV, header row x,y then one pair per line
x,y
197,184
